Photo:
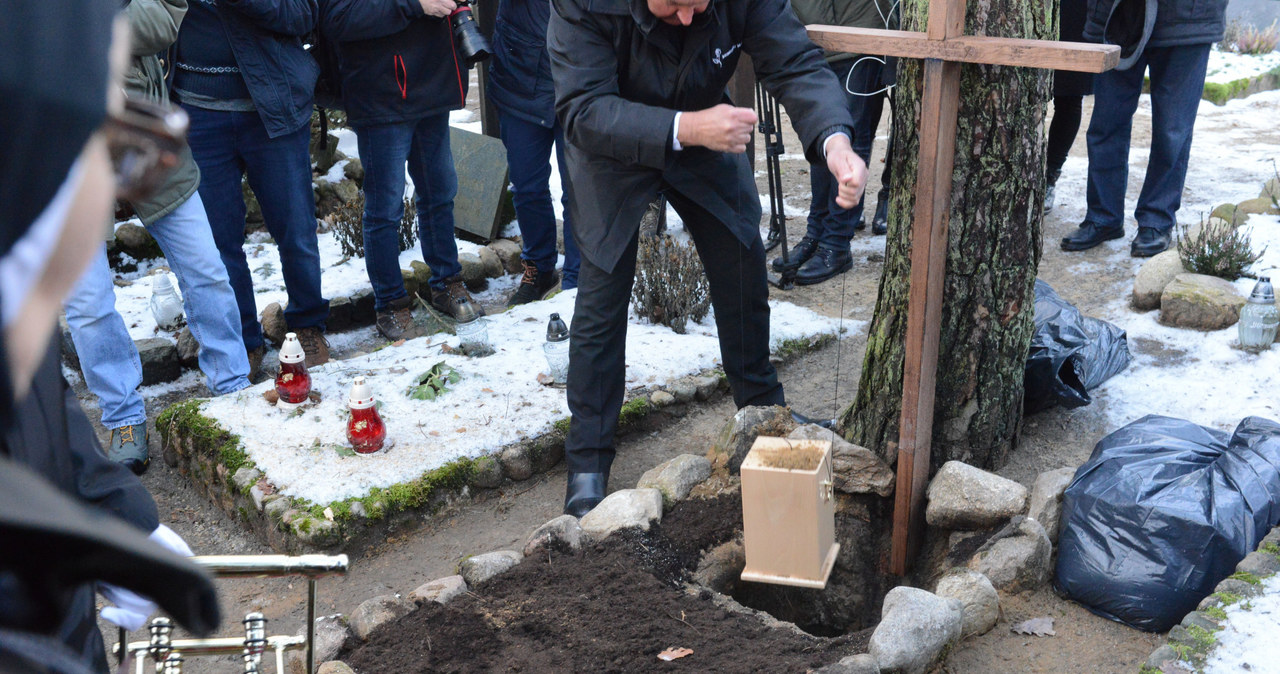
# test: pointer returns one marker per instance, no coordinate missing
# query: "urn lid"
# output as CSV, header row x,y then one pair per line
x,y
291,351
361,396
1262,292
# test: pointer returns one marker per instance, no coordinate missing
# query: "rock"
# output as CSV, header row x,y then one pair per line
x,y
562,533
1162,655
246,477
332,634
1259,205
339,319
491,262
1046,499
275,509
472,271
188,348
440,590
721,566
316,532
1271,189
683,389
915,626
354,170
964,497
273,323
478,569
1260,564
1016,562
705,386
486,473
68,345
137,242
676,477
422,272
661,398
410,281
1230,213
515,462
1153,276
375,613
362,312
1200,302
749,423
980,601
858,470
509,254
334,667
621,509
159,360
863,663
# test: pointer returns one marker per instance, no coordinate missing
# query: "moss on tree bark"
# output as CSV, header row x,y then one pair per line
x,y
993,250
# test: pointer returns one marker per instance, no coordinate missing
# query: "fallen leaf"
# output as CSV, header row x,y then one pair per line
x,y
487,390
398,342
545,379
315,396
445,348
272,397
1040,627
435,433
460,430
674,654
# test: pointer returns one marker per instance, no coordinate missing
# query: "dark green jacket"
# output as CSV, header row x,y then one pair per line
x,y
154,24
849,14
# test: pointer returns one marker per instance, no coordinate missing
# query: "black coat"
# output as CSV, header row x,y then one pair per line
x,y
620,76
520,73
397,63
1071,14
1178,22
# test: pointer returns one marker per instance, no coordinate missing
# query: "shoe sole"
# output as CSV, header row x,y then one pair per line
x,y
1151,253
814,281
1071,246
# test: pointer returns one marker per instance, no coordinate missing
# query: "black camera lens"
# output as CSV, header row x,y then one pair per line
x,y
471,43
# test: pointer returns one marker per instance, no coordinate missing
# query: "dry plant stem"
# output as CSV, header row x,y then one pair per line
x,y
1217,250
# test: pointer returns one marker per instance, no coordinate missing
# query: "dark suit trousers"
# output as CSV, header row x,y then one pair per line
x,y
597,346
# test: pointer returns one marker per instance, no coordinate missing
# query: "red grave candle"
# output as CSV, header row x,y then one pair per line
x,y
293,383
365,430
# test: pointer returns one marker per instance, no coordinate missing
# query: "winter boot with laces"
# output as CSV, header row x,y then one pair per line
x,y
534,285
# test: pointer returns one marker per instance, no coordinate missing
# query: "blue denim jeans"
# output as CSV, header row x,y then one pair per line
x,y
529,163
1177,81
384,149
829,224
229,146
108,359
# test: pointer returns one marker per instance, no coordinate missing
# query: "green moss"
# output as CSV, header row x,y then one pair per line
x,y
1148,669
206,433
1271,549
408,495
562,426
1219,93
1201,639
1215,612
1228,598
633,411
1247,577
795,347
305,526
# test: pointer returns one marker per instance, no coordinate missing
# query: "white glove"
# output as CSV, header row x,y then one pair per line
x,y
131,610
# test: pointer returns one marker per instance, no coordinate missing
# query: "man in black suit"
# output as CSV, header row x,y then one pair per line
x,y
640,91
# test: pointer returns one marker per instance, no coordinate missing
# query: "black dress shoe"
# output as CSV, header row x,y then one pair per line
x,y
860,224
823,265
1149,241
1090,235
798,255
801,419
880,223
585,491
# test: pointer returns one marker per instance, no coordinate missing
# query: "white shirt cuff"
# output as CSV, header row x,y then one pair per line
x,y
828,141
675,133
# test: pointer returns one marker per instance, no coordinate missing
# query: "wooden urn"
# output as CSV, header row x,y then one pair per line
x,y
788,512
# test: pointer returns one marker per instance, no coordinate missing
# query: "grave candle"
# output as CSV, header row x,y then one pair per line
x,y
293,383
1259,317
166,308
557,349
365,430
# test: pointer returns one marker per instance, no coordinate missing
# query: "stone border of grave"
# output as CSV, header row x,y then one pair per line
x,y
212,459
1194,638
917,628
1219,93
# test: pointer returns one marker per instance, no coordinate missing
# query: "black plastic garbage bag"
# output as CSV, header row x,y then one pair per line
x,y
1070,354
1163,511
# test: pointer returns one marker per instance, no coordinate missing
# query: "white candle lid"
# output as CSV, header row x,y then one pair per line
x,y
361,396
291,351
161,284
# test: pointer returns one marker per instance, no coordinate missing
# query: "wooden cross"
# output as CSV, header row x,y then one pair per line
x,y
944,47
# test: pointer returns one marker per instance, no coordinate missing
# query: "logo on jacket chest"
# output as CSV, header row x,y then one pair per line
x,y
719,56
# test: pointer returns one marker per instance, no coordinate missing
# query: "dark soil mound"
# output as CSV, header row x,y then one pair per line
x,y
610,608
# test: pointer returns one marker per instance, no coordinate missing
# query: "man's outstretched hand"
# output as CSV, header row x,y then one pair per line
x,y
723,128
849,170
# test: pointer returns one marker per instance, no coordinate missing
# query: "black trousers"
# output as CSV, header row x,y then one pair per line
x,y
598,336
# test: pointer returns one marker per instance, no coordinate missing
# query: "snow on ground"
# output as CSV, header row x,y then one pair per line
x,y
1225,66
1247,642
497,402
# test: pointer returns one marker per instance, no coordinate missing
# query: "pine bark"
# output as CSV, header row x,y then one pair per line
x,y
993,250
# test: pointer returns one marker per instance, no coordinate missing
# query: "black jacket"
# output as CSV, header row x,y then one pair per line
x,y
620,76
1178,22
520,73
397,63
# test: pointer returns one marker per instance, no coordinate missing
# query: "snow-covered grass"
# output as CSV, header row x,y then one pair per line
x,y
1247,642
1226,66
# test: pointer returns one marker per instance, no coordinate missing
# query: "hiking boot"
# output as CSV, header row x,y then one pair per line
x,y
396,321
314,345
534,285
446,301
128,447
255,364
797,256
823,265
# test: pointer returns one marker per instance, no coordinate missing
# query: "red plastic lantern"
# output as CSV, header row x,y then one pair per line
x,y
365,430
293,383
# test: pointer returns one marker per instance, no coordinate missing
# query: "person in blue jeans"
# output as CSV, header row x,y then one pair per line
x,y
520,87
401,75
176,218
241,73
1176,52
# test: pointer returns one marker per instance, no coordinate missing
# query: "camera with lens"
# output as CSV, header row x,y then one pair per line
x,y
471,43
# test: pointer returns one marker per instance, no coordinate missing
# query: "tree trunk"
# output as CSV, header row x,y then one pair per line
x,y
993,250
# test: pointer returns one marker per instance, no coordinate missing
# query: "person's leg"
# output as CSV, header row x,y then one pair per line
x,y
279,171
108,359
212,314
880,223
528,157
212,137
1062,134
572,258
384,148
436,184
740,297
1177,80
866,103
1115,100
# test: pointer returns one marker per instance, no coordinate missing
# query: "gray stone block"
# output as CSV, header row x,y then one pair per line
x,y
375,613
478,569
159,360
481,164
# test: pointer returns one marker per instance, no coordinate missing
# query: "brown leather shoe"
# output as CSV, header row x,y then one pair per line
x,y
255,364
396,321
445,301
314,345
